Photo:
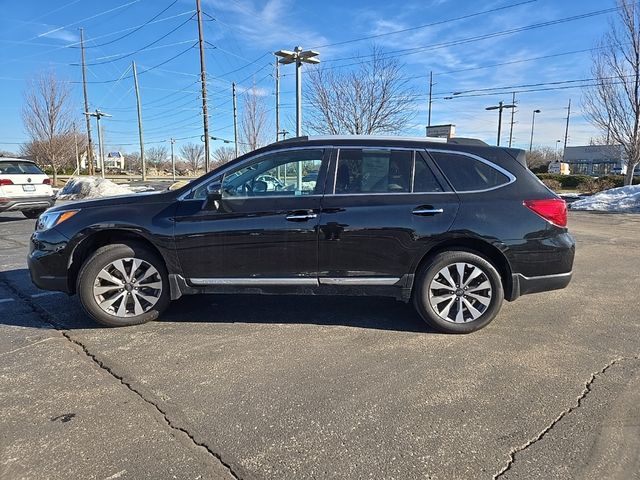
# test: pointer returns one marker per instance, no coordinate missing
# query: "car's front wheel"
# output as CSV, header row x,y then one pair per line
x,y
123,284
458,292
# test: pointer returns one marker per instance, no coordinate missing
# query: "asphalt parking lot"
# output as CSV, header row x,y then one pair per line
x,y
311,387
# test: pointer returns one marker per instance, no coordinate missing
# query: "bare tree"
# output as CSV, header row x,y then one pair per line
x,y
538,159
222,155
613,103
156,156
48,120
374,98
193,155
253,121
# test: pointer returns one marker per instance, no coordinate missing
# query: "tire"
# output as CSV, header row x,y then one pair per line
x,y
109,291
439,298
33,213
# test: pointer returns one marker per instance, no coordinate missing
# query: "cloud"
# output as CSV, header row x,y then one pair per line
x,y
59,33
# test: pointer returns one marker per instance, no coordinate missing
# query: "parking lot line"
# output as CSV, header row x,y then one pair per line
x,y
6,300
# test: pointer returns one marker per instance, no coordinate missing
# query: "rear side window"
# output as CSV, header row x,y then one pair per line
x,y
424,180
16,168
468,174
373,171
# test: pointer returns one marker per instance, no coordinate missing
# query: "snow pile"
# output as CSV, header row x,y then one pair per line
x,y
79,188
621,200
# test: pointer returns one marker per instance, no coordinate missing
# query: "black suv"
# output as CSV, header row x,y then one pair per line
x,y
455,227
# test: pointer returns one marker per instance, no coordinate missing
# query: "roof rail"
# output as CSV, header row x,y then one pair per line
x,y
453,141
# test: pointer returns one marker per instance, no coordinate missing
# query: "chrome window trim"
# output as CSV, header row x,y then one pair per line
x,y
505,172
226,169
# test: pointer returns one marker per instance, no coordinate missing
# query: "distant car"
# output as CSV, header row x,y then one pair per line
x,y
24,187
616,171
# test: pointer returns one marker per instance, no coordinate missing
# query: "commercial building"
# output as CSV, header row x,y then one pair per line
x,y
596,160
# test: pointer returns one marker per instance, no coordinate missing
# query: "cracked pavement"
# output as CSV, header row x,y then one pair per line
x,y
311,387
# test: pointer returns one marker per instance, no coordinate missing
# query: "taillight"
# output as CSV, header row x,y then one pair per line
x,y
47,181
5,181
553,210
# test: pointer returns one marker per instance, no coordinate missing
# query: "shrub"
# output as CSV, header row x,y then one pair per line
x,y
552,184
595,185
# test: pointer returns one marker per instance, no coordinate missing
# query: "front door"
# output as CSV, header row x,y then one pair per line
x,y
385,210
263,230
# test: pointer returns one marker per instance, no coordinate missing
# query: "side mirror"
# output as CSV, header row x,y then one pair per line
x,y
214,195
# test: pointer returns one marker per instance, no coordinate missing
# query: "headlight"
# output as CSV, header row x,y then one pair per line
x,y
50,219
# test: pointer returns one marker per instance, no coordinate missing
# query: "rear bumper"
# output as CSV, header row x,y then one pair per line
x,y
523,285
8,204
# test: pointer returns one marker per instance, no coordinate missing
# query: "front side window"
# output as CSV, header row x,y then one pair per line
x,y
467,173
278,174
373,171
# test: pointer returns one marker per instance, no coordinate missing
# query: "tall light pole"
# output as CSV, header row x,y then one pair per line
x,y
277,100
566,131
557,144
98,114
173,159
298,56
501,106
533,122
140,134
430,97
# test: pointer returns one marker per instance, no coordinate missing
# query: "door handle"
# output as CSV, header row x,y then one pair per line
x,y
300,216
426,210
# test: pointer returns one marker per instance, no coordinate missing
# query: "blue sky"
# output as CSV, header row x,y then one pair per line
x,y
37,35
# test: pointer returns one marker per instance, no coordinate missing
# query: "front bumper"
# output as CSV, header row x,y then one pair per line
x,y
9,204
48,260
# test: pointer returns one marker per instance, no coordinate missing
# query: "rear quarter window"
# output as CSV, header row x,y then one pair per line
x,y
17,168
466,173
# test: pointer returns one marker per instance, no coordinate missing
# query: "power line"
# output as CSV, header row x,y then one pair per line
x,y
143,71
441,22
462,41
125,55
139,27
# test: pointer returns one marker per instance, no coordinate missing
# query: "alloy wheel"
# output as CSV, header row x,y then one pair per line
x,y
127,287
460,292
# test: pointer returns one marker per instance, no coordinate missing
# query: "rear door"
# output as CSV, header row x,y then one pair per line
x,y
19,179
383,210
264,229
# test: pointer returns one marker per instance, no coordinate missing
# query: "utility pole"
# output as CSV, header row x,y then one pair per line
x,y
533,122
298,56
566,130
98,114
173,160
501,106
203,75
142,159
513,111
430,94
235,118
75,140
277,100
86,107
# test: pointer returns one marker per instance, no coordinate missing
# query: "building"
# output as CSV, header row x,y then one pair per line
x,y
596,160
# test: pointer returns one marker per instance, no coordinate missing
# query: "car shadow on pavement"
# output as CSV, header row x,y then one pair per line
x,y
363,312
65,313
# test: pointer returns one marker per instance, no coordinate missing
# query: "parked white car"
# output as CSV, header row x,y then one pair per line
x,y
24,187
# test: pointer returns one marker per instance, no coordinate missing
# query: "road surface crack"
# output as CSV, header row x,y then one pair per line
x,y
587,389
49,319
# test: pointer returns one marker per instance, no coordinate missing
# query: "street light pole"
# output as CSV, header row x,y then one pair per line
x,y
173,160
298,56
533,122
501,106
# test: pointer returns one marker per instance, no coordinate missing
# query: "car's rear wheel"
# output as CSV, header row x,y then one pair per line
x,y
33,213
458,292
123,284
